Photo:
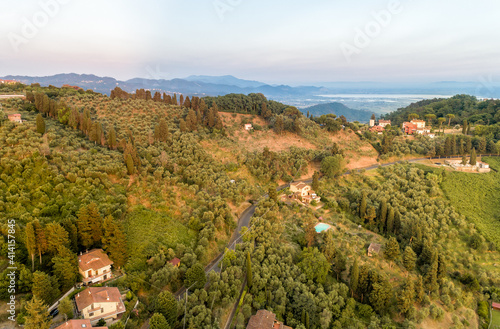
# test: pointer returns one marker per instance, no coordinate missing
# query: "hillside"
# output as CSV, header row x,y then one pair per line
x,y
149,180
459,107
339,109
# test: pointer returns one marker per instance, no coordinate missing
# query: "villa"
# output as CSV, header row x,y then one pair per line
x,y
265,320
303,192
95,303
94,266
481,167
15,118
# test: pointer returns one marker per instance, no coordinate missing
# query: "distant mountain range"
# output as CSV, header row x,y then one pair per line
x,y
339,109
193,85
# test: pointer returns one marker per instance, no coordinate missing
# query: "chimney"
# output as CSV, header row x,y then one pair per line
x,y
78,295
81,253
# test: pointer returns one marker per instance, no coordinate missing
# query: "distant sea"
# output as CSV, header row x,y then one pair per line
x,y
377,103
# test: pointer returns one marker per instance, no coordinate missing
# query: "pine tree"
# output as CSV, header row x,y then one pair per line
x,y
56,236
38,315
95,222
158,321
114,242
195,276
66,308
45,287
167,305
419,289
354,280
40,124
409,258
65,267
392,249
431,276
182,125
473,160
273,194
84,228
406,297
249,271
279,125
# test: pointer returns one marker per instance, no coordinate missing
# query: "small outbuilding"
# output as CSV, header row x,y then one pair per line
x,y
373,249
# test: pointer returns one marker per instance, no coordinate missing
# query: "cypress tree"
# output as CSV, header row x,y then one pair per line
x,y
354,280
163,132
191,120
249,271
390,221
473,159
464,127
392,249
112,139
362,206
409,258
129,162
40,124
383,214
315,181
182,125
30,242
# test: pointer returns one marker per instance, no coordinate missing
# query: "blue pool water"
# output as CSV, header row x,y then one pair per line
x,y
321,227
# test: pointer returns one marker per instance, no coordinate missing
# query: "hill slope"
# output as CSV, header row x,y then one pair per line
x,y
339,109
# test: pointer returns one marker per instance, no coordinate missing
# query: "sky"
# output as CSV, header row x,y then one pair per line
x,y
278,41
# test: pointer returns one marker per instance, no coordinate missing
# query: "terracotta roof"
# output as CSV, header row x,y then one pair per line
x,y
97,295
495,305
176,261
262,320
93,260
265,320
299,185
78,324
384,121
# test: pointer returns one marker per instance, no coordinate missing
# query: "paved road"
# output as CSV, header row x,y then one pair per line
x,y
245,217
11,96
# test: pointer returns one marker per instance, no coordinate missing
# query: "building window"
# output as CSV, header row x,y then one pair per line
x,y
91,313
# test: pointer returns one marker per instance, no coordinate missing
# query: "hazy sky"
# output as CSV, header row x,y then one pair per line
x,y
275,41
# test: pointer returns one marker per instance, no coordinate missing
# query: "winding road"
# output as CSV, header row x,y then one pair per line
x,y
245,217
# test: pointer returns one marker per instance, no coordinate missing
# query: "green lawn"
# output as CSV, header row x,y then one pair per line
x,y
477,196
148,230
495,321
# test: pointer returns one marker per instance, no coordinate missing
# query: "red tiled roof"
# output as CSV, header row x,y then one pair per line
x,y
78,324
97,295
176,261
495,305
93,260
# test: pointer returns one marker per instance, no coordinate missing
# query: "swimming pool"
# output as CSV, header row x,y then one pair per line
x,y
320,227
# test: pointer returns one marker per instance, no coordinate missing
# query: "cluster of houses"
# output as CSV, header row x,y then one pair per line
x,y
380,127
303,192
95,303
417,127
8,82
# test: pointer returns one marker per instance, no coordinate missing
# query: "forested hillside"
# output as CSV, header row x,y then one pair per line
x,y
454,110
339,109
148,179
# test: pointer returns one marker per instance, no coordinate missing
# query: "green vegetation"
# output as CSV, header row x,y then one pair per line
x,y
477,197
453,110
148,231
495,319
